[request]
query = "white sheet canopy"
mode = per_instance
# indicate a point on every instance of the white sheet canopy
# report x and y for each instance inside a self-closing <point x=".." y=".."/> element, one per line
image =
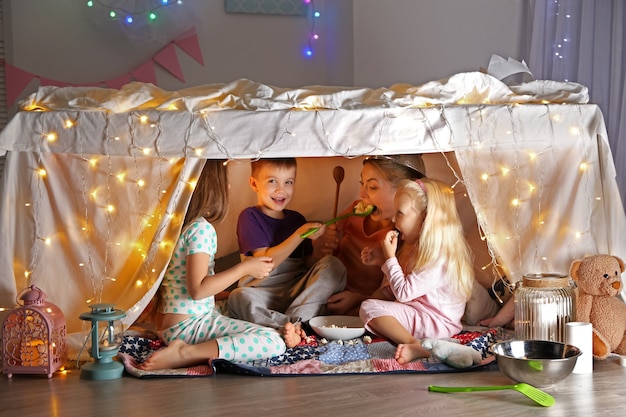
<point x="97" y="180"/>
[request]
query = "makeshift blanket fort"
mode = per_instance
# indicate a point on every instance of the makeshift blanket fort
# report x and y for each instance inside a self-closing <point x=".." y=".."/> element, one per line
<point x="317" y="356"/>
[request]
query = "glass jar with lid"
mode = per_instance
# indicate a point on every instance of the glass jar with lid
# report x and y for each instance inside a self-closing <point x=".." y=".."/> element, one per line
<point x="544" y="303"/>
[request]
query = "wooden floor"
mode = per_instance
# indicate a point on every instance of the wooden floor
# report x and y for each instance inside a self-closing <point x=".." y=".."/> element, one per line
<point x="602" y="393"/>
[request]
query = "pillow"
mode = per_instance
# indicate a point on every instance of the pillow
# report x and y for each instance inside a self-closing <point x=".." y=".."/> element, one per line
<point x="480" y="305"/>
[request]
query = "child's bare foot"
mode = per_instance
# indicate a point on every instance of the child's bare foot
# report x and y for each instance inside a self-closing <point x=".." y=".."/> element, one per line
<point x="406" y="353"/>
<point x="293" y="334"/>
<point x="172" y="356"/>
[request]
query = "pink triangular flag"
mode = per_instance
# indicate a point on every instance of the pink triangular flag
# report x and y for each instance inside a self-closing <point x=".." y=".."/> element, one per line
<point x="168" y="59"/>
<point x="191" y="45"/>
<point x="145" y="73"/>
<point x="118" y="82"/>
<point x="55" y="83"/>
<point x="17" y="80"/>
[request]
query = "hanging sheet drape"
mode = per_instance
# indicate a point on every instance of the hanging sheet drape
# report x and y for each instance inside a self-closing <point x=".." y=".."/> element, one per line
<point x="97" y="181"/>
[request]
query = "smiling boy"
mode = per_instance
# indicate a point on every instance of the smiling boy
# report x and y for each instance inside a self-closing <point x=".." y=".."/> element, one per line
<point x="296" y="290"/>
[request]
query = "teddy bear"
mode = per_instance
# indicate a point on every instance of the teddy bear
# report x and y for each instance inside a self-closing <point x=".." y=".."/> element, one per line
<point x="599" y="282"/>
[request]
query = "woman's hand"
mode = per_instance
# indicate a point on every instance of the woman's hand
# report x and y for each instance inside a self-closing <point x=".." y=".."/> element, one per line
<point x="372" y="256"/>
<point x="344" y="302"/>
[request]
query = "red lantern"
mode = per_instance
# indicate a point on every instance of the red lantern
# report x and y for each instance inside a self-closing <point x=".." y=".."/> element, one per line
<point x="33" y="336"/>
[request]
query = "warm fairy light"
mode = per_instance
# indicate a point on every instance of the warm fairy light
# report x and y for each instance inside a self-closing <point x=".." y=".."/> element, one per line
<point x="93" y="162"/>
<point x="143" y="119"/>
<point x="532" y="156"/>
<point x="583" y="166"/>
<point x="515" y="202"/>
<point x="141" y="183"/>
<point x="69" y="123"/>
<point x="172" y="106"/>
<point x="120" y="177"/>
<point x="51" y="137"/>
<point x="531" y="187"/>
<point x="94" y="194"/>
<point x="26" y="274"/>
<point x="42" y="172"/>
<point x="505" y="170"/>
<point x="484" y="177"/>
<point x="198" y="152"/>
<point x="556" y="117"/>
<point x="146" y="151"/>
<point x="27" y="204"/>
<point x="578" y="235"/>
<point x="110" y="208"/>
<point x="574" y="131"/>
<point x="139" y="283"/>
<point x="192" y="183"/>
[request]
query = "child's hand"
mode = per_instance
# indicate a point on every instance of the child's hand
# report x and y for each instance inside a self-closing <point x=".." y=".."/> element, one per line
<point x="321" y="228"/>
<point x="372" y="256"/>
<point x="390" y="244"/>
<point x="259" y="266"/>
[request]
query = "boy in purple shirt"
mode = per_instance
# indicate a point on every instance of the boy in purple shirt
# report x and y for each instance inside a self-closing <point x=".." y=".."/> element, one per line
<point x="296" y="290"/>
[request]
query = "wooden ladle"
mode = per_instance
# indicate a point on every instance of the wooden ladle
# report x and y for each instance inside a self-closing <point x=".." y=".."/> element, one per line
<point x="338" y="174"/>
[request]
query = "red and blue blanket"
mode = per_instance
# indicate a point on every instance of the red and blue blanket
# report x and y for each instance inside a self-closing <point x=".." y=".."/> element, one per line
<point x="314" y="357"/>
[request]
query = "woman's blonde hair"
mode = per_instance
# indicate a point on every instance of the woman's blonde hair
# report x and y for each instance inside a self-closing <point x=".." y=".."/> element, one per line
<point x="442" y="231"/>
<point x="210" y="197"/>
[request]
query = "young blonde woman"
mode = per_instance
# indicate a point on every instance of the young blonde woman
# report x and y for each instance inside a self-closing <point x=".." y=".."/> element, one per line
<point x="380" y="176"/>
<point x="427" y="267"/>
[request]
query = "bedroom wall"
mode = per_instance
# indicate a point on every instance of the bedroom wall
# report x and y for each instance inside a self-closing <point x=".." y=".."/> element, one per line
<point x="363" y="42"/>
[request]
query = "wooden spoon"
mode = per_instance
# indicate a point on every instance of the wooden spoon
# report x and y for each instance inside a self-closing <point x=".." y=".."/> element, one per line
<point x="338" y="174"/>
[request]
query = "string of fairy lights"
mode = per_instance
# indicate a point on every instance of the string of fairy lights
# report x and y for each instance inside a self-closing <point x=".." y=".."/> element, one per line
<point x="150" y="12"/>
<point x="99" y="197"/>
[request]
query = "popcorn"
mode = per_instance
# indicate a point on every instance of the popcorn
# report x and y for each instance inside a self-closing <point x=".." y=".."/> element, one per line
<point x="361" y="208"/>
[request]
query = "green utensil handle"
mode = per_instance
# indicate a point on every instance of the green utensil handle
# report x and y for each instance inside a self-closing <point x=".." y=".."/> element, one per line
<point x="467" y="389"/>
<point x="331" y="221"/>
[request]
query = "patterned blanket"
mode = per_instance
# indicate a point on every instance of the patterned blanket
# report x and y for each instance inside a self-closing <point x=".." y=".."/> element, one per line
<point x="313" y="357"/>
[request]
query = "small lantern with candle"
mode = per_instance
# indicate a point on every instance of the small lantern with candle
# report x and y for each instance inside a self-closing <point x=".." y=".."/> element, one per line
<point x="105" y="335"/>
<point x="33" y="336"/>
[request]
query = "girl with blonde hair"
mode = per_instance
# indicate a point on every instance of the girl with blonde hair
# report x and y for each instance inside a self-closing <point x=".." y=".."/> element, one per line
<point x="427" y="267"/>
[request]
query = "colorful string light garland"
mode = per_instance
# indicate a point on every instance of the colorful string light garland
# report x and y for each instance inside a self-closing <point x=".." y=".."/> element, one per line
<point x="128" y="16"/>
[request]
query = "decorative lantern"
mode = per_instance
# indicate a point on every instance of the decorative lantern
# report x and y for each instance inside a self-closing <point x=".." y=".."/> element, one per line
<point x="105" y="336"/>
<point x="33" y="336"/>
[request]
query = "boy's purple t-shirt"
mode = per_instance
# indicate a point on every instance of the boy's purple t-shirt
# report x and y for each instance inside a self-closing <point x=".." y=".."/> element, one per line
<point x="257" y="230"/>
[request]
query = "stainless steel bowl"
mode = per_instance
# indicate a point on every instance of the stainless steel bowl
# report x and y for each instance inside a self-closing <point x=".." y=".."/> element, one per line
<point x="536" y="362"/>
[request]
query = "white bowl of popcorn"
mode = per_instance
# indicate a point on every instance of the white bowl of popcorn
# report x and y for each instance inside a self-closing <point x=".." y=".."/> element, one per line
<point x="337" y="327"/>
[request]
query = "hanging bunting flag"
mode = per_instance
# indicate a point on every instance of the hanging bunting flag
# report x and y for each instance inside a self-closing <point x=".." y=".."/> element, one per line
<point x="168" y="59"/>
<point x="118" y="82"/>
<point x="145" y="73"/>
<point x="189" y="43"/>
<point x="17" y="80"/>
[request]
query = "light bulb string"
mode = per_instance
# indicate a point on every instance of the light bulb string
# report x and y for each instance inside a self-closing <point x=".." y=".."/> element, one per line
<point x="163" y="3"/>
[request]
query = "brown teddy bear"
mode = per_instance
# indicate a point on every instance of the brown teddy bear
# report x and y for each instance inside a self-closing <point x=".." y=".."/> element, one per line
<point x="599" y="281"/>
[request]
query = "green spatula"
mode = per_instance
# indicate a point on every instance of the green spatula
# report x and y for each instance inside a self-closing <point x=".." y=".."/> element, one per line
<point x="357" y="211"/>
<point x="535" y="394"/>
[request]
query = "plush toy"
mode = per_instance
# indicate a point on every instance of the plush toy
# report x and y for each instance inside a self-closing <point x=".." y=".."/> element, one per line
<point x="599" y="281"/>
<point x="452" y="353"/>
